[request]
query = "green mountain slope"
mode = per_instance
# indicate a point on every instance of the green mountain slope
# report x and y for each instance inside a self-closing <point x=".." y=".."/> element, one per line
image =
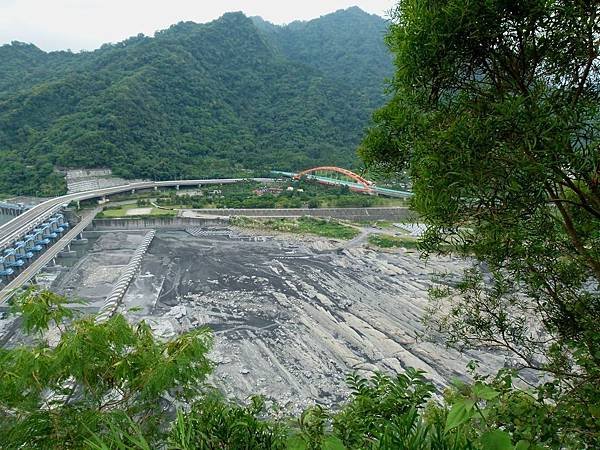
<point x="196" y="100"/>
<point x="348" y="45"/>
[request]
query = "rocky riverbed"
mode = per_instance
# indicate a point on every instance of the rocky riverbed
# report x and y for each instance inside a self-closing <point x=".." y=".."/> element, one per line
<point x="291" y="316"/>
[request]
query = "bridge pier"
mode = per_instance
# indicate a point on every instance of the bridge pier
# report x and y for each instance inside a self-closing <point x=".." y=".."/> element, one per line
<point x="11" y="209"/>
<point x="67" y="252"/>
<point x="79" y="240"/>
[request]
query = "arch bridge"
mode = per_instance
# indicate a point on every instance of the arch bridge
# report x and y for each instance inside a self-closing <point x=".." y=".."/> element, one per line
<point x="330" y="175"/>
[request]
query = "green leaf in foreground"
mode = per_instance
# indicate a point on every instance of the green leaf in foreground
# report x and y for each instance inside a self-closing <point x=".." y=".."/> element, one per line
<point x="485" y="392"/>
<point x="496" y="440"/>
<point x="460" y="413"/>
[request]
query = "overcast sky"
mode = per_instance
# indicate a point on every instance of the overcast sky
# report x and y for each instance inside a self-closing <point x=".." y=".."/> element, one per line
<point x="87" y="24"/>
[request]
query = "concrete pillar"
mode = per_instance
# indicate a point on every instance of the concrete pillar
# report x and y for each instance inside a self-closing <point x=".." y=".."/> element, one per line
<point x="177" y="187"/>
<point x="133" y="191"/>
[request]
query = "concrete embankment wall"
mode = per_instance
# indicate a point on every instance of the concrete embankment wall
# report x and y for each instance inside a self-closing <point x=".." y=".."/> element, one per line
<point x="176" y="223"/>
<point x="222" y="217"/>
<point x="373" y="213"/>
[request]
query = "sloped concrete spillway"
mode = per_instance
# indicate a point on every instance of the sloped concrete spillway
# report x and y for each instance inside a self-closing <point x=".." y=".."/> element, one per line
<point x="291" y="317"/>
<point x="116" y="295"/>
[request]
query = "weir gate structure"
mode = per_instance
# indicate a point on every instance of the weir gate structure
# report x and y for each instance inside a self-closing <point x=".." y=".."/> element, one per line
<point x="38" y="233"/>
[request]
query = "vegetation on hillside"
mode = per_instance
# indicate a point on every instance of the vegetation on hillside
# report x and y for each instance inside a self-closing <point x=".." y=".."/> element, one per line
<point x="348" y="45"/>
<point x="194" y="101"/>
<point x="496" y="116"/>
<point x="328" y="228"/>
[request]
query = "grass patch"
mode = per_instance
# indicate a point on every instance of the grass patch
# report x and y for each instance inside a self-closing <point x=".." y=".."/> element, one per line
<point x="304" y="225"/>
<point x="387" y="241"/>
<point x="112" y="212"/>
<point x="329" y="443"/>
<point x="163" y="212"/>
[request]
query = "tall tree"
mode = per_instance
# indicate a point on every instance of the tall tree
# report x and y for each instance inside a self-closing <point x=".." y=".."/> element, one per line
<point x="495" y="114"/>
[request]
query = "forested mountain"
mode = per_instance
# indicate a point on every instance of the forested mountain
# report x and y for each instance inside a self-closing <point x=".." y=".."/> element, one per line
<point x="194" y="100"/>
<point x="347" y="45"/>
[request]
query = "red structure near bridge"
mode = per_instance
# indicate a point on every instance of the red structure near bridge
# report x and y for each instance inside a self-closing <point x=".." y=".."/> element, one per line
<point x="367" y="185"/>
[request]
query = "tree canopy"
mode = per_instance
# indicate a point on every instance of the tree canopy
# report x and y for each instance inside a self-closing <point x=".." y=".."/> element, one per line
<point x="495" y="114"/>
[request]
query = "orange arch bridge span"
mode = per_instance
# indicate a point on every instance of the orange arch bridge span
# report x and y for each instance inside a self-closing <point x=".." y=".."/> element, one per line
<point x="367" y="185"/>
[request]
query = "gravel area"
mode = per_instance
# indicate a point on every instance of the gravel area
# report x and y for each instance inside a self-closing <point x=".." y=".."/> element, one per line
<point x="292" y="317"/>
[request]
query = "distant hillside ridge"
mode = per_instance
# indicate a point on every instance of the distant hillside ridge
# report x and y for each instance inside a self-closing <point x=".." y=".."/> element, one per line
<point x="347" y="45"/>
<point x="217" y="99"/>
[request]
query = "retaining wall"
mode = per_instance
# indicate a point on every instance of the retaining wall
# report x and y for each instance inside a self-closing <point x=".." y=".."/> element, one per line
<point x="221" y="217"/>
<point x="371" y="213"/>
<point x="176" y="223"/>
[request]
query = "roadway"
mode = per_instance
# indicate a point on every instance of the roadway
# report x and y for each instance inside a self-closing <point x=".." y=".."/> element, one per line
<point x="30" y="271"/>
<point x="14" y="229"/>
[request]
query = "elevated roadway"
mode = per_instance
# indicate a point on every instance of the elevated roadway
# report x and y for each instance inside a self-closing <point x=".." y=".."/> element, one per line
<point x="17" y="227"/>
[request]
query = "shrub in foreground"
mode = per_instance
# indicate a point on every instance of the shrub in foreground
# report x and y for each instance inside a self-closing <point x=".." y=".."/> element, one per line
<point x="113" y="385"/>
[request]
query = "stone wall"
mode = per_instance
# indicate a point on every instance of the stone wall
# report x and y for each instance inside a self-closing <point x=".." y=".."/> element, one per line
<point x="219" y="217"/>
<point x="176" y="223"/>
<point x="374" y="213"/>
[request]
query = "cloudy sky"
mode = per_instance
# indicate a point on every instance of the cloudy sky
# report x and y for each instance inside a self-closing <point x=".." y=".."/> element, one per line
<point x="87" y="24"/>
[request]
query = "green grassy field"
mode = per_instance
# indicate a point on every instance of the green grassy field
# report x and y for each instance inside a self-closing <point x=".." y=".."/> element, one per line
<point x="388" y="241"/>
<point x="303" y="225"/>
<point x="124" y="211"/>
<point x="329" y="443"/>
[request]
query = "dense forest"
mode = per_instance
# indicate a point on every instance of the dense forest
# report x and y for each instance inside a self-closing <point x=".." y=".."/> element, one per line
<point x="348" y="46"/>
<point x="195" y="100"/>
